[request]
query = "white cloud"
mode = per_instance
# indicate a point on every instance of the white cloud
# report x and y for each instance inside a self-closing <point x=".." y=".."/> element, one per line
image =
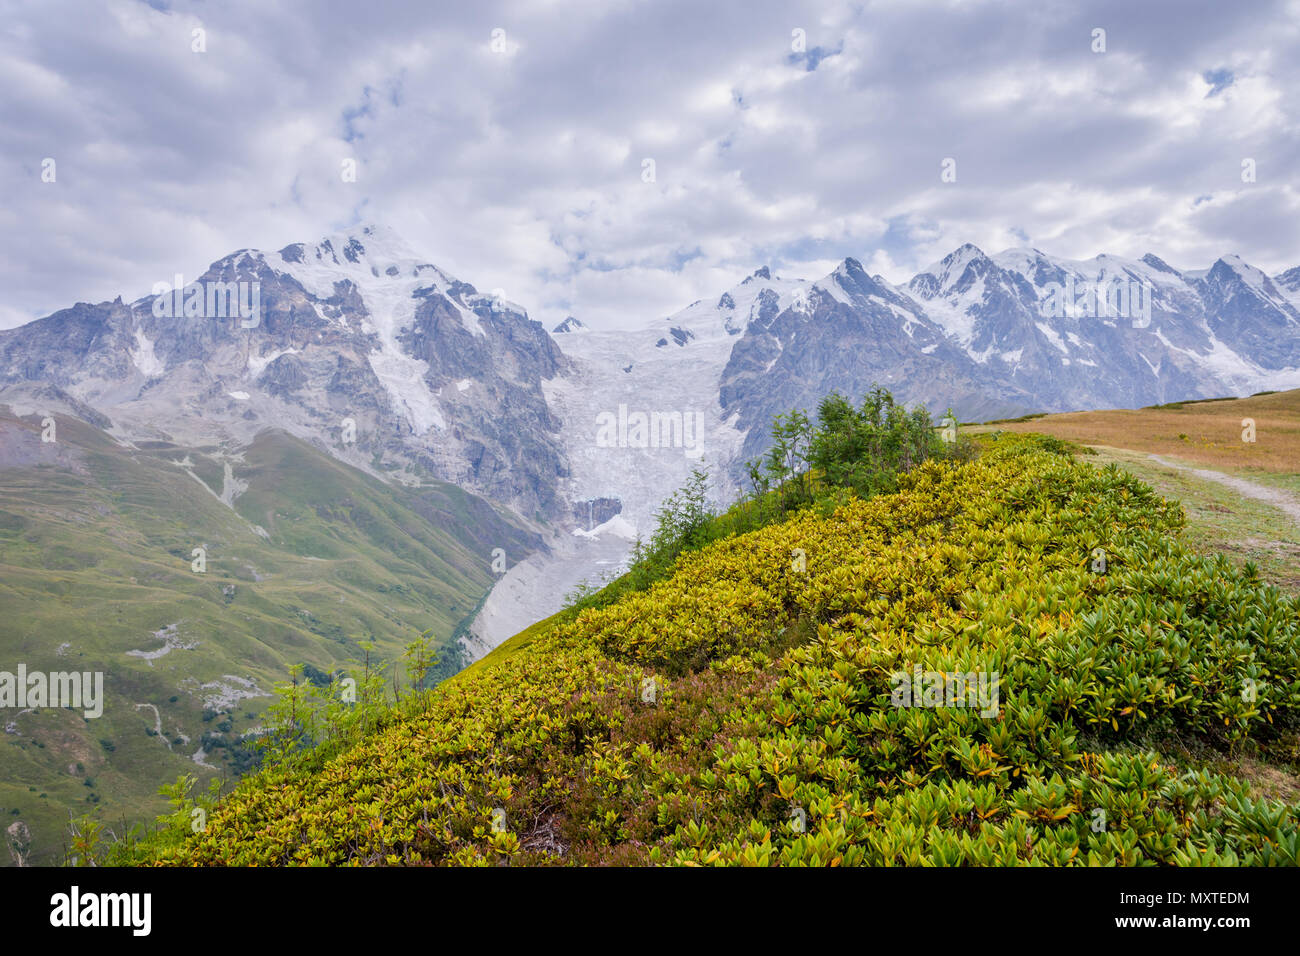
<point x="522" y="169"/>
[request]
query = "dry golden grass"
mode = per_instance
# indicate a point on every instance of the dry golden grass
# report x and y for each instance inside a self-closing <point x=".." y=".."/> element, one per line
<point x="1208" y="433"/>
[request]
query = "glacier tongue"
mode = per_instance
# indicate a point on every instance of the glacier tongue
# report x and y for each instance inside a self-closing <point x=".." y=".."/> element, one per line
<point x="617" y="375"/>
<point x="669" y="368"/>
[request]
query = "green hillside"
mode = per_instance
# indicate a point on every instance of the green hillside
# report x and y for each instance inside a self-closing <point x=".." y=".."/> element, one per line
<point x="312" y="557"/>
<point x="749" y="708"/>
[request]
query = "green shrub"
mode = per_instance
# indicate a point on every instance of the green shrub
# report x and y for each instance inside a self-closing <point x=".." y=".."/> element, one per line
<point x="865" y="449"/>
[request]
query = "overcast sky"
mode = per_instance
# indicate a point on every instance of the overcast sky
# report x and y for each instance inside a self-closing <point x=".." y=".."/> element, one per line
<point x="507" y="141"/>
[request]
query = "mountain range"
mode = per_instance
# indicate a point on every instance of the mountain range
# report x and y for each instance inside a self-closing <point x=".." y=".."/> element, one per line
<point x="389" y="364"/>
<point x="367" y="447"/>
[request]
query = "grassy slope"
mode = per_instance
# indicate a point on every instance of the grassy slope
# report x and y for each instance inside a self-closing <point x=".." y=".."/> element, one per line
<point x="1212" y="431"/>
<point x="512" y="646"/>
<point x="1220" y="520"/>
<point x="95" y="544"/>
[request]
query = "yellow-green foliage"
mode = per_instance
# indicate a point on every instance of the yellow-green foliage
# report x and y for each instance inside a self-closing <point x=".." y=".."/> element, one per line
<point x="769" y="736"/>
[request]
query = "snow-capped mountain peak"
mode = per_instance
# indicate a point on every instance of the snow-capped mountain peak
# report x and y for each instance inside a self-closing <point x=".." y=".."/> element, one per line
<point x="760" y="296"/>
<point x="380" y="263"/>
<point x="957" y="265"/>
<point x="1231" y="269"/>
<point x="570" y="324"/>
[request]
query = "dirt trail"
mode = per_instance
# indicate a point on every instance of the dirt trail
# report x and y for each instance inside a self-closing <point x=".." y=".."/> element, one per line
<point x="1283" y="501"/>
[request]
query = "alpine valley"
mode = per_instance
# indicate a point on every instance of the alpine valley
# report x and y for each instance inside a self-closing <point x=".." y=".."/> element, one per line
<point x="387" y="450"/>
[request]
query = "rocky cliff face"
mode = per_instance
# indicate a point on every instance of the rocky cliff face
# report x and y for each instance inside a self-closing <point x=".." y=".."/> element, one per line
<point x="1251" y="314"/>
